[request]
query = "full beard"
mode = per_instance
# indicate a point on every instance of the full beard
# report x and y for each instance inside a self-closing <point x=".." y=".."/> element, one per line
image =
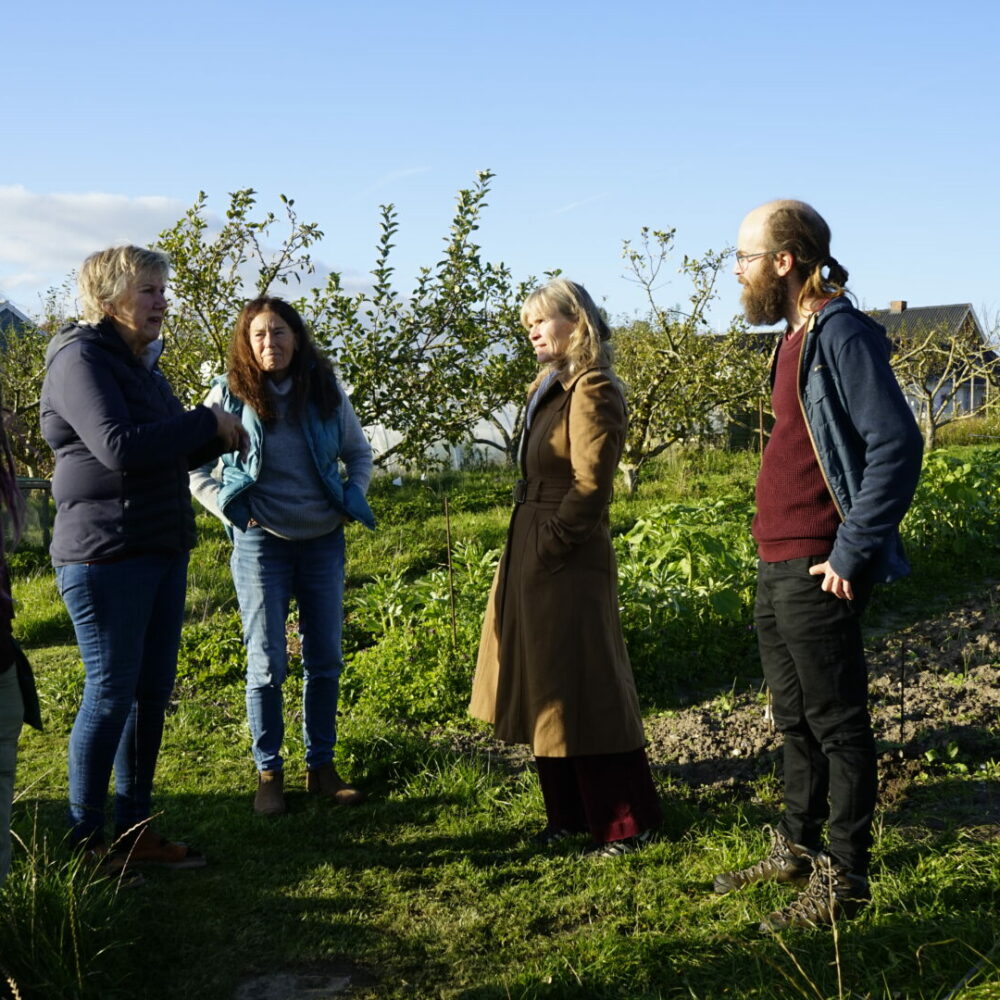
<point x="764" y="300"/>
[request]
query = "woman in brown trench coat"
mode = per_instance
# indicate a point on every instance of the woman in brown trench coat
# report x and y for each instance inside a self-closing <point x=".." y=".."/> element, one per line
<point x="553" y="671"/>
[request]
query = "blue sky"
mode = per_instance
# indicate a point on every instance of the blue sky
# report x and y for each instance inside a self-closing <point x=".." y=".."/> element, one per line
<point x="597" y="119"/>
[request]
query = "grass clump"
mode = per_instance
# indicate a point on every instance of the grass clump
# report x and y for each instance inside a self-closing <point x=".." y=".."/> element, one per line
<point x="63" y="926"/>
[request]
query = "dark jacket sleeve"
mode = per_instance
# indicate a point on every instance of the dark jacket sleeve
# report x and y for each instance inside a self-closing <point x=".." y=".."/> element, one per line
<point x="91" y="400"/>
<point x="893" y="450"/>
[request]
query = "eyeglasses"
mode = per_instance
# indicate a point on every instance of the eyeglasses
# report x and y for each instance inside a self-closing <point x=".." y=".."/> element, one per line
<point x="742" y="259"/>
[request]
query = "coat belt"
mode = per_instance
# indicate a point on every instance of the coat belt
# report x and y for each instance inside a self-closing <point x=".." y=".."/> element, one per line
<point x="541" y="490"/>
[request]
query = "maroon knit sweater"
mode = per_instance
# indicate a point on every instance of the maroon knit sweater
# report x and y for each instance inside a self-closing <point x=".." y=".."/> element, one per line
<point x="796" y="515"/>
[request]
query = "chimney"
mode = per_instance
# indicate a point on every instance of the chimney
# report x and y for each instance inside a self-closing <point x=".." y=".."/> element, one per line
<point x="898" y="306"/>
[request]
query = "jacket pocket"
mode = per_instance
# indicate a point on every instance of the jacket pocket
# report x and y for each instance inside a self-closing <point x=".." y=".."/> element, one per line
<point x="549" y="558"/>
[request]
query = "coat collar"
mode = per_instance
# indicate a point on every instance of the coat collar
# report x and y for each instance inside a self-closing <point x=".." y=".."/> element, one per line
<point x="567" y="381"/>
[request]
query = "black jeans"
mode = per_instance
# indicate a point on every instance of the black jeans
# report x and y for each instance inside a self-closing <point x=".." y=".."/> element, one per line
<point x="814" y="664"/>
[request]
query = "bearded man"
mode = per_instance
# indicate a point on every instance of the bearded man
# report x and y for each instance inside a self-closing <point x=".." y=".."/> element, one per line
<point x="837" y="475"/>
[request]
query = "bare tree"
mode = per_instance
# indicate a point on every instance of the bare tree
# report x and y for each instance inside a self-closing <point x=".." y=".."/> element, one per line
<point x="682" y="379"/>
<point x="940" y="370"/>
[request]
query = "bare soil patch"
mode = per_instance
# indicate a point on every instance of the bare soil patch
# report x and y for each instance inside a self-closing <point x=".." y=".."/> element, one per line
<point x="935" y="690"/>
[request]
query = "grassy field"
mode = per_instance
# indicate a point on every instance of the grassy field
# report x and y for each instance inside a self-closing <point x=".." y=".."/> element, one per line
<point x="430" y="889"/>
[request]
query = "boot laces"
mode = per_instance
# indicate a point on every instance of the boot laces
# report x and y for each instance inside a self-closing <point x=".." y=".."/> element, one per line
<point x="775" y="857"/>
<point x="818" y="900"/>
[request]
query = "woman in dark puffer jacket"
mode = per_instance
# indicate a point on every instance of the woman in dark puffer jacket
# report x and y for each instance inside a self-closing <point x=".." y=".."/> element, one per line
<point x="124" y="527"/>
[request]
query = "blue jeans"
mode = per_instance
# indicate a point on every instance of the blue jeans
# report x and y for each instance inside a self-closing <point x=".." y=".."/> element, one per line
<point x="814" y="663"/>
<point x="11" y="713"/>
<point x="269" y="571"/>
<point x="127" y="616"/>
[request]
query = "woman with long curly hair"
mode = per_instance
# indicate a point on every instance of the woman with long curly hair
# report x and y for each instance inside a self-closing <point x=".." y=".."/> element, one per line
<point x="284" y="502"/>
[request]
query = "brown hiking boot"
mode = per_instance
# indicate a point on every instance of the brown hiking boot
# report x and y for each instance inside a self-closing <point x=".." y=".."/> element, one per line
<point x="786" y="862"/>
<point x="270" y="797"/>
<point x="832" y="894"/>
<point x="325" y="781"/>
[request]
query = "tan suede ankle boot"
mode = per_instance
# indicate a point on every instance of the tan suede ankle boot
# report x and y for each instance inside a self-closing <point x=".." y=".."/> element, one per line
<point x="325" y="781"/>
<point x="270" y="797"/>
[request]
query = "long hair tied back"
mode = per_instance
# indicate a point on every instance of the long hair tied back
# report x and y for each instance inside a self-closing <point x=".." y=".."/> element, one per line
<point x="798" y="228"/>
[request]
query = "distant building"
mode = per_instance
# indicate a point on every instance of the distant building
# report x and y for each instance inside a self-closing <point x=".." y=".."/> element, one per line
<point x="950" y="322"/>
<point x="11" y="318"/>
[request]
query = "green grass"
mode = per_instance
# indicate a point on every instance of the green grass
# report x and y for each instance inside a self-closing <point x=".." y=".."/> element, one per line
<point x="430" y="890"/>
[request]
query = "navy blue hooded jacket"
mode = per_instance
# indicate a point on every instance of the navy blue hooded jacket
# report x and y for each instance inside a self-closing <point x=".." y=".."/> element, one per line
<point x="123" y="445"/>
<point x="865" y="437"/>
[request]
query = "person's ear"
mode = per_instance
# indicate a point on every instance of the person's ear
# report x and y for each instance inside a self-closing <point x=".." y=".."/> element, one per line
<point x="784" y="261"/>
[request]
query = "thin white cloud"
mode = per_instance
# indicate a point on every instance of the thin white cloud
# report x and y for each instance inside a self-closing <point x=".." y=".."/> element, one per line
<point x="390" y="178"/>
<point x="573" y="205"/>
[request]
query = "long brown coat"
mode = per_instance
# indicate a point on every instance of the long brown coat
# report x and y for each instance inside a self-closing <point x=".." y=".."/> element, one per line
<point x="553" y="670"/>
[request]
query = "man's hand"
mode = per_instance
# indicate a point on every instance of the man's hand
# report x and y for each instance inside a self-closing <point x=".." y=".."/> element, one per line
<point x="832" y="583"/>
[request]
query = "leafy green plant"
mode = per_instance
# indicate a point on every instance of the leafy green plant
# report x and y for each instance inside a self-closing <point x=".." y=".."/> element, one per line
<point x="957" y="504"/>
<point x="211" y="652"/>
<point x="418" y="665"/>
<point x="686" y="588"/>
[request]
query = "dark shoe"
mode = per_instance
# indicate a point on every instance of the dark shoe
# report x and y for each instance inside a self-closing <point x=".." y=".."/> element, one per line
<point x="109" y="865"/>
<point x="617" y="848"/>
<point x="146" y="847"/>
<point x="270" y="797"/>
<point x="786" y="862"/>
<point x="325" y="781"/>
<point x="832" y="894"/>
<point x="550" y="836"/>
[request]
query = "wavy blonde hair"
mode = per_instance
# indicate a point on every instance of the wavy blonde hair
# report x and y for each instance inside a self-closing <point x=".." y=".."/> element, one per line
<point x="106" y="275"/>
<point x="588" y="343"/>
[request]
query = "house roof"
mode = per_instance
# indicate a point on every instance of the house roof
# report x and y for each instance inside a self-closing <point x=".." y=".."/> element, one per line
<point x="944" y="318"/>
<point x="11" y="316"/>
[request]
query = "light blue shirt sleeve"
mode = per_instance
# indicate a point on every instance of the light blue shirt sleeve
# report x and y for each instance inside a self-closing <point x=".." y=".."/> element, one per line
<point x="355" y="451"/>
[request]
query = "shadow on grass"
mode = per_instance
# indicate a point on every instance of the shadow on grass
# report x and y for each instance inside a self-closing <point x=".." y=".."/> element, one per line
<point x="314" y="884"/>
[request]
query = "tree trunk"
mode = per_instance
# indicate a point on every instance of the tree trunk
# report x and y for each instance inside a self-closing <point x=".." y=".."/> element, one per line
<point x="630" y="473"/>
<point x="930" y="434"/>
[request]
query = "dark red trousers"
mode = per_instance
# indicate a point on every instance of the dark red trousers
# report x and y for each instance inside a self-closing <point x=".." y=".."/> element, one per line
<point x="611" y="795"/>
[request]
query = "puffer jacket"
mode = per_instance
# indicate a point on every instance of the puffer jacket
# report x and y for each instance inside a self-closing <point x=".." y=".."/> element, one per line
<point x="123" y="446"/>
<point x="864" y="435"/>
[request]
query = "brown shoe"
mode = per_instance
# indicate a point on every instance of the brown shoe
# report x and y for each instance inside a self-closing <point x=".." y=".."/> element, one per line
<point x="146" y="847"/>
<point x="112" y="866"/>
<point x="325" y="781"/>
<point x="270" y="797"/>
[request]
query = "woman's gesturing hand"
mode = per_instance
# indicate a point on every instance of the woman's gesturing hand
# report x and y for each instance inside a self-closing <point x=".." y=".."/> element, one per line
<point x="231" y="430"/>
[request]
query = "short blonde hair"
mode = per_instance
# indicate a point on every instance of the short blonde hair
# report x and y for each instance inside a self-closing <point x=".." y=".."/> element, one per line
<point x="107" y="274"/>
<point x="588" y="343"/>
